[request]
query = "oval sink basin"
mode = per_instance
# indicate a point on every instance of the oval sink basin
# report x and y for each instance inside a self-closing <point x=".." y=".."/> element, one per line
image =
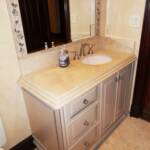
<point x="96" y="59"/>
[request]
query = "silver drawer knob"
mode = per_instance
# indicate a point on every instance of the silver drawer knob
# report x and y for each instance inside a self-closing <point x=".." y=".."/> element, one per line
<point x="85" y="101"/>
<point x="86" y="123"/>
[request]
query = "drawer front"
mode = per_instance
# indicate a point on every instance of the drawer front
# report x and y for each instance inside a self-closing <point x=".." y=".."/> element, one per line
<point x="80" y="103"/>
<point x="82" y="123"/>
<point x="87" y="142"/>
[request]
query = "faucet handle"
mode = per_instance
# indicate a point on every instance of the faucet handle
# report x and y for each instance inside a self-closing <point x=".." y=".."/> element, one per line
<point x="76" y="55"/>
<point x="91" y="48"/>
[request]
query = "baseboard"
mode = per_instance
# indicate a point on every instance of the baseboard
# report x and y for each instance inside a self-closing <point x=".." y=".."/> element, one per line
<point x="26" y="144"/>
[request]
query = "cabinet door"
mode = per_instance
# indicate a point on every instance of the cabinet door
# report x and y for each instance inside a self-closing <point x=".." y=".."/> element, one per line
<point x="123" y="94"/>
<point x="109" y="90"/>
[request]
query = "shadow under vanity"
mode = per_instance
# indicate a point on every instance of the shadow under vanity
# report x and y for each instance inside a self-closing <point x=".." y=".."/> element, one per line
<point x="76" y="108"/>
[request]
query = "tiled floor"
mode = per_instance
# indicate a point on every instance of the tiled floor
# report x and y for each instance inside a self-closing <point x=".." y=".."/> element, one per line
<point x="132" y="134"/>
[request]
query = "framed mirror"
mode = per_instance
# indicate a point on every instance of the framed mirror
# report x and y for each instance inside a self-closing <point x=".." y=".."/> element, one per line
<point x="40" y="24"/>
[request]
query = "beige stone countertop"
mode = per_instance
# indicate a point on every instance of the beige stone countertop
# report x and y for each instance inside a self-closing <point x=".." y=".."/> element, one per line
<point x="57" y="86"/>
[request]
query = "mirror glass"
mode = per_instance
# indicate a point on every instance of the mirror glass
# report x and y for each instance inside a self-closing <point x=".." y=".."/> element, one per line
<point x="48" y="23"/>
<point x="82" y="19"/>
<point x="125" y="23"/>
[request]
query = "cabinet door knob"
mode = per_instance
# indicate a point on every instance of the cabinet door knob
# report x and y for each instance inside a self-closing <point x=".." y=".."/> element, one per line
<point x="85" y="101"/>
<point x="116" y="79"/>
<point x="86" y="144"/>
<point x="86" y="123"/>
<point x="119" y="78"/>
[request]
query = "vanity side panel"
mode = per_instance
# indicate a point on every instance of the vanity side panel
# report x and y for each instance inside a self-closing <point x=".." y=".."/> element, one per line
<point x="42" y="122"/>
<point x="60" y="130"/>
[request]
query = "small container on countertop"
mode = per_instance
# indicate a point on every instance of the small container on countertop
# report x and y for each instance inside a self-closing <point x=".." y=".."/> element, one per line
<point x="64" y="60"/>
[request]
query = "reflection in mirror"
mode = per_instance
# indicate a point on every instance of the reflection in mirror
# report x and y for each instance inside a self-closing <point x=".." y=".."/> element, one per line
<point x="82" y="18"/>
<point x="45" y="22"/>
<point x="54" y="22"/>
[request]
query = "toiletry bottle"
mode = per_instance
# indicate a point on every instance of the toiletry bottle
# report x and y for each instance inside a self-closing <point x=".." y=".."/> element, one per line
<point x="53" y="44"/>
<point x="64" y="60"/>
<point x="46" y="45"/>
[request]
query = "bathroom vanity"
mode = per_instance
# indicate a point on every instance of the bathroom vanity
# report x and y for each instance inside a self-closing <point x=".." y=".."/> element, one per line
<point x="77" y="107"/>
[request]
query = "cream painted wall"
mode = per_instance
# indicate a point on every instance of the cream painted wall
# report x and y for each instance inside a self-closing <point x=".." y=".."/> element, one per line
<point x="115" y="20"/>
<point x="12" y="108"/>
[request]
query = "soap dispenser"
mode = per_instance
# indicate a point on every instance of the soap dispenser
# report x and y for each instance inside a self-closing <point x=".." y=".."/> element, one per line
<point x="64" y="60"/>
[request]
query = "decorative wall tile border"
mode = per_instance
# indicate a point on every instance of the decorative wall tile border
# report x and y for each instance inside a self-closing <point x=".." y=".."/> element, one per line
<point x="97" y="17"/>
<point x="17" y="28"/>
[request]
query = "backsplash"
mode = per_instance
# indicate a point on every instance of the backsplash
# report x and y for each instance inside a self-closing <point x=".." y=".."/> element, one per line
<point x="127" y="45"/>
<point x="48" y="58"/>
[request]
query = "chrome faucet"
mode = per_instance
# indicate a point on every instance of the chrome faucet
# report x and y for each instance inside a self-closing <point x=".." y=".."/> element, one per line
<point x="82" y="49"/>
<point x="90" y="49"/>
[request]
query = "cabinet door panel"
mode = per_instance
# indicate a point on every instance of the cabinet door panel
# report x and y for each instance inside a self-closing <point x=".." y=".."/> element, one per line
<point x="109" y="89"/>
<point x="123" y="91"/>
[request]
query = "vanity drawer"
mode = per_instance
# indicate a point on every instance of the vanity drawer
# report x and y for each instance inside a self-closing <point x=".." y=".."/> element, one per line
<point x="80" y="103"/>
<point x="82" y="123"/>
<point x="87" y="141"/>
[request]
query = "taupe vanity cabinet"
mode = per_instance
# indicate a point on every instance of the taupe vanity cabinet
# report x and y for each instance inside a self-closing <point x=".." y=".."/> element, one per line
<point x="82" y="123"/>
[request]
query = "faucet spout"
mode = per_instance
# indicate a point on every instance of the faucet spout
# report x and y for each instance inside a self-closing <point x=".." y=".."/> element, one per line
<point x="82" y="49"/>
